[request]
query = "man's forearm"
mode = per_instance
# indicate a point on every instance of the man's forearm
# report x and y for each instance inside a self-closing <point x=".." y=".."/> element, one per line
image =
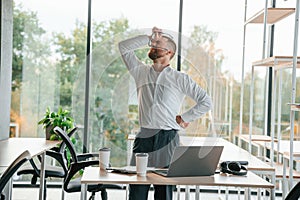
<point x="132" y="44"/>
<point x="127" y="48"/>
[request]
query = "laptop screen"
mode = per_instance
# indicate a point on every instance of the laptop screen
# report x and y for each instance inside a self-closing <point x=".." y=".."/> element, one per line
<point x="194" y="161"/>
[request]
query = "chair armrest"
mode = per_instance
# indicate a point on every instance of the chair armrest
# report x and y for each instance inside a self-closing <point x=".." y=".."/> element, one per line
<point x="59" y="158"/>
<point x="35" y="168"/>
<point x="85" y="156"/>
<point x="53" y="154"/>
<point x="75" y="167"/>
<point x="55" y="149"/>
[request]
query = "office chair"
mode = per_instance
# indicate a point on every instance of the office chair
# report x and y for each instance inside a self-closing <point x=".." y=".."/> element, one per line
<point x="78" y="163"/>
<point x="59" y="154"/>
<point x="10" y="171"/>
<point x="294" y="194"/>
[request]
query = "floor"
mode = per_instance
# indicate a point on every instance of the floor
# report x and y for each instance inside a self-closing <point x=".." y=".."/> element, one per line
<point x="55" y="194"/>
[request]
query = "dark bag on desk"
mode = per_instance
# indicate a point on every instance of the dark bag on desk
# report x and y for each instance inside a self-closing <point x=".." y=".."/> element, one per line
<point x="234" y="167"/>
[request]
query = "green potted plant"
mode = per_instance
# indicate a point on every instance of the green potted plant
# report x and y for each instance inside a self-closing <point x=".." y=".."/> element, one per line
<point x="51" y="119"/>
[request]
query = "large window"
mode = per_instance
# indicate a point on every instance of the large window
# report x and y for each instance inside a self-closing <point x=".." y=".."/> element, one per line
<point x="49" y="63"/>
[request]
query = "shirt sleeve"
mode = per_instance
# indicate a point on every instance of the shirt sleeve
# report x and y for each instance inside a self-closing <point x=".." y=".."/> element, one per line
<point x="127" y="48"/>
<point x="199" y="95"/>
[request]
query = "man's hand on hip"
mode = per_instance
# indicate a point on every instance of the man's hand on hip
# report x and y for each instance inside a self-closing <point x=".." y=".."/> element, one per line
<point x="180" y="121"/>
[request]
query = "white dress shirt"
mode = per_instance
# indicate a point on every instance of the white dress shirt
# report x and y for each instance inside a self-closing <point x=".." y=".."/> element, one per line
<point x="160" y="94"/>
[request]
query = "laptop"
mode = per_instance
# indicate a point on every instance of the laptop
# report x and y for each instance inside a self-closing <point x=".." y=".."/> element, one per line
<point x="193" y="161"/>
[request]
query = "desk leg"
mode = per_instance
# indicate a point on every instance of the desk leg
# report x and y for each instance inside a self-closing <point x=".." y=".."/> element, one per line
<point x="178" y="192"/>
<point x="239" y="193"/>
<point x="187" y="192"/>
<point x="284" y="179"/>
<point x="226" y="193"/>
<point x="7" y="190"/>
<point x="127" y="192"/>
<point x="273" y="181"/>
<point x="83" y="195"/>
<point x="42" y="176"/>
<point x="62" y="191"/>
<point x="258" y="194"/>
<point x="197" y="192"/>
<point x="247" y="194"/>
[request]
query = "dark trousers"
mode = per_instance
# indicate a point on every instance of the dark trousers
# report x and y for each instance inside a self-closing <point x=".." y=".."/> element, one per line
<point x="140" y="192"/>
<point x="159" y="144"/>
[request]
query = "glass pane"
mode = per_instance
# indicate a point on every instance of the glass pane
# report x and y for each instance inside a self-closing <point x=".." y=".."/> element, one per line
<point x="114" y="113"/>
<point x="216" y="57"/>
<point x="49" y="49"/>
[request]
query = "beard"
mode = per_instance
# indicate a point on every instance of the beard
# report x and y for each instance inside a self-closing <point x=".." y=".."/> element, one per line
<point x="154" y="54"/>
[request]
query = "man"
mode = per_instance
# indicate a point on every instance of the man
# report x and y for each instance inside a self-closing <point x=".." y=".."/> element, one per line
<point x="160" y="90"/>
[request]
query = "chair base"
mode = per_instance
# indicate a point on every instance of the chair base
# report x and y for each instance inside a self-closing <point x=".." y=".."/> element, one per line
<point x="103" y="195"/>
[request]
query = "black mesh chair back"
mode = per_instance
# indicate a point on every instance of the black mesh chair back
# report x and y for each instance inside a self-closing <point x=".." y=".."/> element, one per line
<point x="75" y="164"/>
<point x="67" y="142"/>
<point x="79" y="162"/>
<point x="294" y="194"/>
<point x="11" y="170"/>
<point x="60" y="171"/>
<point x="59" y="154"/>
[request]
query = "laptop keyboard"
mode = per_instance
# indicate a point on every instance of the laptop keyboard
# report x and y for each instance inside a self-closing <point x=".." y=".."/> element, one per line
<point x="163" y="172"/>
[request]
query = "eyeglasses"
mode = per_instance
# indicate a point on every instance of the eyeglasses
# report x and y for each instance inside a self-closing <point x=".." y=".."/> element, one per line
<point x="155" y="37"/>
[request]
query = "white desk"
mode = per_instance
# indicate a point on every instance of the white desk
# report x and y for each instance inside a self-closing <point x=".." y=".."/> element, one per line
<point x="93" y="175"/>
<point x="231" y="152"/>
<point x="11" y="148"/>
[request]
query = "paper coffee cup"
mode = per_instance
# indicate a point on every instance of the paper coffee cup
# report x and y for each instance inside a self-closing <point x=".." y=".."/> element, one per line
<point x="141" y="163"/>
<point x="104" y="155"/>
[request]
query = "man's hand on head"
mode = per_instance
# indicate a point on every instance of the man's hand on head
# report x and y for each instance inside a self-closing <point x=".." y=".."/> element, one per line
<point x="156" y="33"/>
<point x="156" y="30"/>
<point x="181" y="123"/>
